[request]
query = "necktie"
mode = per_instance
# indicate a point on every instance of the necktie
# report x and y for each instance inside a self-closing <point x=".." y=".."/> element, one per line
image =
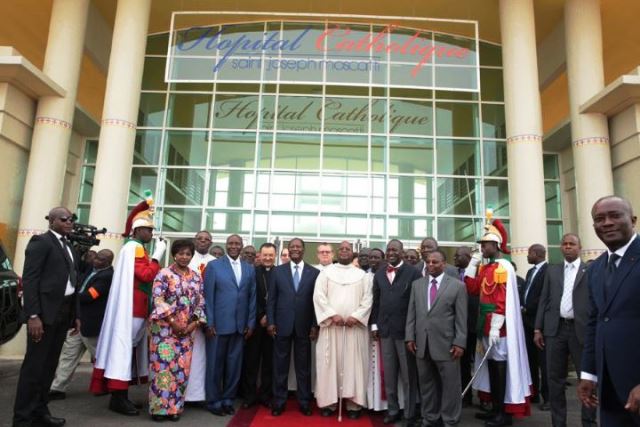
<point x="70" y="264"/>
<point x="391" y="269"/>
<point x="236" y="271"/>
<point x="530" y="274"/>
<point x="433" y="292"/>
<point x="567" y="293"/>
<point x="296" y="278"/>
<point x="611" y="270"/>
<point x="461" y="273"/>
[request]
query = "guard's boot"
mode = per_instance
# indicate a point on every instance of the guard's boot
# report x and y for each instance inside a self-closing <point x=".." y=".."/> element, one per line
<point x="121" y="404"/>
<point x="492" y="380"/>
<point x="498" y="389"/>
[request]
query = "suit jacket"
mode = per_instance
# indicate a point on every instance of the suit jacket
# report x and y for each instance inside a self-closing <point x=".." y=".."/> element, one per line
<point x="449" y="269"/>
<point x="92" y="301"/>
<point x="262" y="291"/>
<point x="45" y="276"/>
<point x="444" y="325"/>
<point x="614" y="322"/>
<point x="548" y="315"/>
<point x="391" y="300"/>
<point x="230" y="307"/>
<point x="530" y="304"/>
<point x="292" y="312"/>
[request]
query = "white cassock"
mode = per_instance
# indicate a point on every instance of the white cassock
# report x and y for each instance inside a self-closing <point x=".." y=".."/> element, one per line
<point x="344" y="290"/>
<point x="195" y="385"/>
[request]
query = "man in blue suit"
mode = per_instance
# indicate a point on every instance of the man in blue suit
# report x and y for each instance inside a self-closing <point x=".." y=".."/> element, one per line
<point x="230" y="296"/>
<point x="291" y="318"/>
<point x="611" y="347"/>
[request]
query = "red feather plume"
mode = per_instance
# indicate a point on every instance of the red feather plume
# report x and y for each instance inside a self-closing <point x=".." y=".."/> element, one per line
<point x="503" y="233"/>
<point x="140" y="207"/>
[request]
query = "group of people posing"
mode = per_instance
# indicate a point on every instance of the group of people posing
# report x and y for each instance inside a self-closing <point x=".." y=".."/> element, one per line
<point x="391" y="333"/>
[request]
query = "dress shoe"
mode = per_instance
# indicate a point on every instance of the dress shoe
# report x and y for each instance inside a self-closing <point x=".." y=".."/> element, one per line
<point x="158" y="418"/>
<point x="327" y="412"/>
<point x="217" y="411"/>
<point x="485" y="415"/>
<point x="545" y="406"/>
<point x="248" y="403"/>
<point x="354" y="415"/>
<point x="499" y="420"/>
<point x="391" y="419"/>
<point x="174" y="417"/>
<point x="57" y="395"/>
<point x="122" y="406"/>
<point x="228" y="409"/>
<point x="305" y="410"/>
<point x="276" y="411"/>
<point x="49" y="421"/>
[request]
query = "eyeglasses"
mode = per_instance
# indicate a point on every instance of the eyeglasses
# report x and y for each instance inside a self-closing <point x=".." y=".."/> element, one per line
<point x="324" y="252"/>
<point x="71" y="218"/>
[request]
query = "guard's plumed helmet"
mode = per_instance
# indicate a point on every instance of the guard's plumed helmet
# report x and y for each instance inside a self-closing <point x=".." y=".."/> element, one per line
<point x="494" y="231"/>
<point x="141" y="215"/>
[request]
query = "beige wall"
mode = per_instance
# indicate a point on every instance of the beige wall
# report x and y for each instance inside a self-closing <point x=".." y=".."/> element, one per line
<point x="624" y="129"/>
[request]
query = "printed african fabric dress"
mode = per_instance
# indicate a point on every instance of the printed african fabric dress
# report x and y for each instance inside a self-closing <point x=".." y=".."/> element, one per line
<point x="179" y="296"/>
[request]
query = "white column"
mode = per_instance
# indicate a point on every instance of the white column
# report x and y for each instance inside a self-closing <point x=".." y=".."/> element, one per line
<point x="589" y="132"/>
<point x="119" y="117"/>
<point x="53" y="123"/>
<point x="524" y="128"/>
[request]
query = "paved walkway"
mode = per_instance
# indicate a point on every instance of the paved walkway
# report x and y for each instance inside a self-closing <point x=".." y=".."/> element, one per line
<point x="82" y="409"/>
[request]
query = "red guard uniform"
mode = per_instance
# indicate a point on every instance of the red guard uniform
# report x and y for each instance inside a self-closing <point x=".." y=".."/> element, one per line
<point x="490" y="284"/>
<point x="144" y="271"/>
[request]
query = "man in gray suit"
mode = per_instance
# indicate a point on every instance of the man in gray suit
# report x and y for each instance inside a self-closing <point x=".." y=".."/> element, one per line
<point x="436" y="333"/>
<point x="562" y="314"/>
<point x="428" y="245"/>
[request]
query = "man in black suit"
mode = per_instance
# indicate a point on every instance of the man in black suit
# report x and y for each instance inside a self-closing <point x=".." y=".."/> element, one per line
<point x="428" y="245"/>
<point x="560" y="322"/>
<point x="391" y="294"/>
<point x="49" y="285"/>
<point x="92" y="302"/>
<point x="292" y="320"/>
<point x="529" y="299"/>
<point x="258" y="352"/>
<point x="611" y="347"/>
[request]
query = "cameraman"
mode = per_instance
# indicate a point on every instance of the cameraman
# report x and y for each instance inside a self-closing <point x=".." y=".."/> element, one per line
<point x="92" y="297"/>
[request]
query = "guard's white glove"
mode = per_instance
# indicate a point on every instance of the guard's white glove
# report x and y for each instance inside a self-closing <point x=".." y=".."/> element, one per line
<point x="160" y="248"/>
<point x="472" y="268"/>
<point x="497" y="320"/>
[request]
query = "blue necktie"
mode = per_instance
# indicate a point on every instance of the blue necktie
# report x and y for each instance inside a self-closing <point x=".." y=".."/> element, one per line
<point x="296" y="278"/>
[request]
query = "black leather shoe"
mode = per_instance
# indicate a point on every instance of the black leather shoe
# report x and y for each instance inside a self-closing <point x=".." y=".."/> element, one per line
<point x="305" y="410"/>
<point x="228" y="409"/>
<point x="217" y="411"/>
<point x="276" y="411"/>
<point x="57" y="395"/>
<point x="158" y="418"/>
<point x="248" y="403"/>
<point x="122" y="406"/>
<point x="391" y="419"/>
<point x="174" y="417"/>
<point x="49" y="421"/>
<point x="354" y="415"/>
<point x="327" y="412"/>
<point x="545" y="406"/>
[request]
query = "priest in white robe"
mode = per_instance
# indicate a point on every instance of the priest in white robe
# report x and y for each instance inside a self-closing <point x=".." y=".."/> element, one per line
<point x="195" y="388"/>
<point x="342" y="300"/>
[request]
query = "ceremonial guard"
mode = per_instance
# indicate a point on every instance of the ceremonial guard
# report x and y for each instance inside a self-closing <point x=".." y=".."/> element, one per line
<point x="501" y="355"/>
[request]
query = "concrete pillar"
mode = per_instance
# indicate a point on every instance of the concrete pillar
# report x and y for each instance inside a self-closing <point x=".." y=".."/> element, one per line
<point x="52" y="131"/>
<point x="524" y="128"/>
<point x="589" y="132"/>
<point x="119" y="117"/>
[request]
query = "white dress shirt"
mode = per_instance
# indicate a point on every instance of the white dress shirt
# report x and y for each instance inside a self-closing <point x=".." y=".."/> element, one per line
<point x="293" y="270"/>
<point x="392" y="275"/>
<point x="69" y="290"/>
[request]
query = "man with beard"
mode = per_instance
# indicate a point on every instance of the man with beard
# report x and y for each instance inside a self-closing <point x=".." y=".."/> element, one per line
<point x="342" y="301"/>
<point x="292" y="322"/>
<point x="258" y="352"/>
<point x="391" y="294"/>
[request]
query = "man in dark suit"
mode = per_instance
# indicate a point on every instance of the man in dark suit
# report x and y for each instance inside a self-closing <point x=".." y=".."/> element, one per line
<point x="529" y="300"/>
<point x="611" y="347"/>
<point x="258" y="351"/>
<point x="230" y="296"/>
<point x="560" y="321"/>
<point x="391" y="293"/>
<point x="92" y="302"/>
<point x="428" y="245"/>
<point x="49" y="285"/>
<point x="436" y="332"/>
<point x="292" y="320"/>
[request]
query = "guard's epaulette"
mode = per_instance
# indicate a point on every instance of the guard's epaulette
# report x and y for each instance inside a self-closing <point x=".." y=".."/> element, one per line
<point x="500" y="274"/>
<point x="139" y="251"/>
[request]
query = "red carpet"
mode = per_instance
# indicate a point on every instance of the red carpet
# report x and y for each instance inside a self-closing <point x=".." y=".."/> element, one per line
<point x="261" y="417"/>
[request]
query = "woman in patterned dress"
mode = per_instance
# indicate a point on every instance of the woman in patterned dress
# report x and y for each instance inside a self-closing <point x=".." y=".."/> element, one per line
<point x="178" y="309"/>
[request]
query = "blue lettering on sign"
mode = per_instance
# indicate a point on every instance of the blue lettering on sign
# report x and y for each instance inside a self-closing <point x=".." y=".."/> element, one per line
<point x="243" y="44"/>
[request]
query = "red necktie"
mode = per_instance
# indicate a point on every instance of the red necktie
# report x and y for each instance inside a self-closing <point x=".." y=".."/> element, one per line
<point x="433" y="292"/>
